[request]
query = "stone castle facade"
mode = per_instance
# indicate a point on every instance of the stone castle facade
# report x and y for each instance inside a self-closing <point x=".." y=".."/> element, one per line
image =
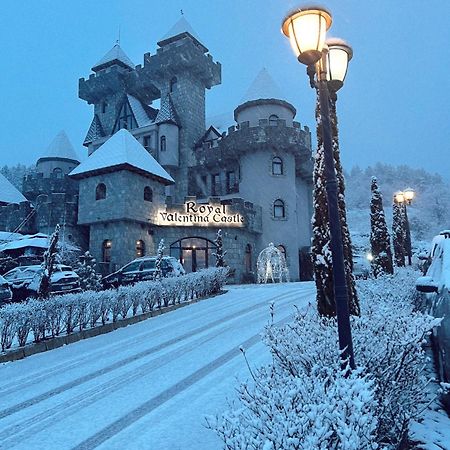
<point x="166" y="173"/>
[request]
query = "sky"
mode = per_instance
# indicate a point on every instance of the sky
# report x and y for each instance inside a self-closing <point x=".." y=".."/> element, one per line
<point x="393" y="108"/>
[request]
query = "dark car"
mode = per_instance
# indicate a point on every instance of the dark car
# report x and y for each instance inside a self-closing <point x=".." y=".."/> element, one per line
<point x="5" y="292"/>
<point x="143" y="269"/>
<point x="24" y="281"/>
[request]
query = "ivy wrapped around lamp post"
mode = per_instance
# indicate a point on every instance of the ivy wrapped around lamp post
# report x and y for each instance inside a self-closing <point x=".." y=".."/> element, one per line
<point x="306" y="29"/>
<point x="401" y="200"/>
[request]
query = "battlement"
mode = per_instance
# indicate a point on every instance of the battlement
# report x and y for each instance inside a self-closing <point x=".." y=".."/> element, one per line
<point x="36" y="184"/>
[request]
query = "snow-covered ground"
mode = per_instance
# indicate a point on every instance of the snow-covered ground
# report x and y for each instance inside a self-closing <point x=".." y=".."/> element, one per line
<point x="147" y="386"/>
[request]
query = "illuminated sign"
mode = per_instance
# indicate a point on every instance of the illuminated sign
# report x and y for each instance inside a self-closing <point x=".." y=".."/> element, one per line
<point x="203" y="215"/>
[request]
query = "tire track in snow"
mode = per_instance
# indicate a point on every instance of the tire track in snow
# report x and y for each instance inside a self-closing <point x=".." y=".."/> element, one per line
<point x="18" y="384"/>
<point x="133" y="416"/>
<point x="16" y="433"/>
<point x="119" y="364"/>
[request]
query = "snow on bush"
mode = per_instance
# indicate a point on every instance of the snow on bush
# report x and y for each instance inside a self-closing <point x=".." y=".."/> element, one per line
<point x="65" y="313"/>
<point x="304" y="400"/>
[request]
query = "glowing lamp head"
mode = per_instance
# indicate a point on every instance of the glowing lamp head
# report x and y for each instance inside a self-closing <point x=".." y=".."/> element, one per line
<point x="338" y="56"/>
<point x="369" y="256"/>
<point x="399" y="197"/>
<point x="409" y="194"/>
<point x="306" y="28"/>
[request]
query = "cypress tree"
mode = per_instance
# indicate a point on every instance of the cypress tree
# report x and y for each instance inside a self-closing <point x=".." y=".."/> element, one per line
<point x="398" y="234"/>
<point x="379" y="235"/>
<point x="219" y="254"/>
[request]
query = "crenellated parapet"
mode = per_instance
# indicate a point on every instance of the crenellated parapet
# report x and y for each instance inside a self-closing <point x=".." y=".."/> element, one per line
<point x="36" y="184"/>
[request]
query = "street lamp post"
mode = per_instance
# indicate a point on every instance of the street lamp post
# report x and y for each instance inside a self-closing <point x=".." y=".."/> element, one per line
<point x="306" y="29"/>
<point x="404" y="198"/>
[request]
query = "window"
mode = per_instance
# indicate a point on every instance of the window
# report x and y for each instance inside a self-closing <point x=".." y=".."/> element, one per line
<point x="173" y="84"/>
<point x="282" y="249"/>
<point x="162" y="144"/>
<point x="57" y="171"/>
<point x="248" y="258"/>
<point x="273" y="120"/>
<point x="232" y="185"/>
<point x="126" y="117"/>
<point x="148" y="194"/>
<point x="277" y="166"/>
<point x="140" y="248"/>
<point x="106" y="253"/>
<point x="279" y="211"/>
<point x="147" y="142"/>
<point x="100" y="191"/>
<point x="104" y="105"/>
<point x="215" y="184"/>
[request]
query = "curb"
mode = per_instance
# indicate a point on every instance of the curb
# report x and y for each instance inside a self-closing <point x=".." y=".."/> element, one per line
<point x="59" y="341"/>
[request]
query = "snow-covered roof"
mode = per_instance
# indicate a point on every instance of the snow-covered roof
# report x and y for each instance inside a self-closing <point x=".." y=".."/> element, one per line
<point x="180" y="28"/>
<point x="115" y="56"/>
<point x="220" y="122"/>
<point x="38" y="240"/>
<point x="122" y="149"/>
<point x="61" y="147"/>
<point x="167" y="113"/>
<point x="9" y="193"/>
<point x="139" y="112"/>
<point x="95" y="131"/>
<point x="263" y="87"/>
<point x="7" y="236"/>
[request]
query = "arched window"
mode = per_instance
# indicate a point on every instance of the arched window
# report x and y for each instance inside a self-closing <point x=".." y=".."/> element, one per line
<point x="57" y="171"/>
<point x="162" y="144"/>
<point x="277" y="166"/>
<point x="173" y="84"/>
<point x="279" y="210"/>
<point x="106" y="251"/>
<point x="148" y="194"/>
<point x="248" y="258"/>
<point x="100" y="191"/>
<point x="140" y="248"/>
<point x="273" y="120"/>
<point x="282" y="249"/>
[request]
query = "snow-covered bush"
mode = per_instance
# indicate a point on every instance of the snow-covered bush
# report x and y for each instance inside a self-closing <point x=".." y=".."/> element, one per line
<point x="64" y="313"/>
<point x="303" y="400"/>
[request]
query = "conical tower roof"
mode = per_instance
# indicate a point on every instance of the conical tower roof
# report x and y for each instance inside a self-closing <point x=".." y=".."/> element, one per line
<point x="263" y="87"/>
<point x="167" y="113"/>
<point x="122" y="151"/>
<point x="179" y="30"/>
<point x="61" y="148"/>
<point x="115" y="56"/>
<point x="9" y="193"/>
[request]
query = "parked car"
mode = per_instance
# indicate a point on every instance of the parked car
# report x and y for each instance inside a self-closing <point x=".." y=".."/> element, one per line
<point x="5" y="292"/>
<point x="24" y="281"/>
<point x="143" y="269"/>
<point x="361" y="267"/>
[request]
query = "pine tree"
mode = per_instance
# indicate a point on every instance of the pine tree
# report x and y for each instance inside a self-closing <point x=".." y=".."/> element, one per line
<point x="48" y="265"/>
<point x="219" y="254"/>
<point x="379" y="235"/>
<point x="398" y="234"/>
<point x="89" y="278"/>
<point x="159" y="256"/>
<point x="321" y="251"/>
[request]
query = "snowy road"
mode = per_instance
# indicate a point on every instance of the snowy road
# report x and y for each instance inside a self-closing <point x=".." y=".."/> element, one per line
<point x="147" y="386"/>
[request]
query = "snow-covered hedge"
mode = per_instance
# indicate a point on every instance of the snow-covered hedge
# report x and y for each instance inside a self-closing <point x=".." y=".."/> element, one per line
<point x="67" y="313"/>
<point x="303" y="399"/>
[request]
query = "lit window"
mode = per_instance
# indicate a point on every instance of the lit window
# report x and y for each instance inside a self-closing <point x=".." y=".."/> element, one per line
<point x="148" y="194"/>
<point x="106" y="253"/>
<point x="140" y="248"/>
<point x="100" y="191"/>
<point x="162" y="145"/>
<point x="277" y="166"/>
<point x="273" y="120"/>
<point x="279" y="210"/>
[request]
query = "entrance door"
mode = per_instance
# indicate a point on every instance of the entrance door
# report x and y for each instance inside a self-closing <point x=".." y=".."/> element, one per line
<point x="193" y="253"/>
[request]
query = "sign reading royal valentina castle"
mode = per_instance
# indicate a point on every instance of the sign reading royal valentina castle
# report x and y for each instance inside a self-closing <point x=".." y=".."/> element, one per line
<point x="201" y="215"/>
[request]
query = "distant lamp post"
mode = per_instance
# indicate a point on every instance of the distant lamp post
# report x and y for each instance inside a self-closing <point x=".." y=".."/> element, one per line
<point x="306" y="27"/>
<point x="404" y="198"/>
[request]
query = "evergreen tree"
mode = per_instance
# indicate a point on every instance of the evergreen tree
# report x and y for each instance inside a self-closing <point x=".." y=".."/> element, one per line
<point x="398" y="234"/>
<point x="379" y="235"/>
<point x="159" y="256"/>
<point x="321" y="251"/>
<point x="48" y="265"/>
<point x="219" y="254"/>
<point x="89" y="278"/>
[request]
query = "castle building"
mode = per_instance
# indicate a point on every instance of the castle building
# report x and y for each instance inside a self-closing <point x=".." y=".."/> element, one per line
<point x="157" y="169"/>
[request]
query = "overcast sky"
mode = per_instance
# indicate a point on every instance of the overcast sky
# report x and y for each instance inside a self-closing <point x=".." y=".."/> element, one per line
<point x="394" y="107"/>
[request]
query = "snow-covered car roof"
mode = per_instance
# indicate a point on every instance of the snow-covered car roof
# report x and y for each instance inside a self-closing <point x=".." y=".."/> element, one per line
<point x="439" y="268"/>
